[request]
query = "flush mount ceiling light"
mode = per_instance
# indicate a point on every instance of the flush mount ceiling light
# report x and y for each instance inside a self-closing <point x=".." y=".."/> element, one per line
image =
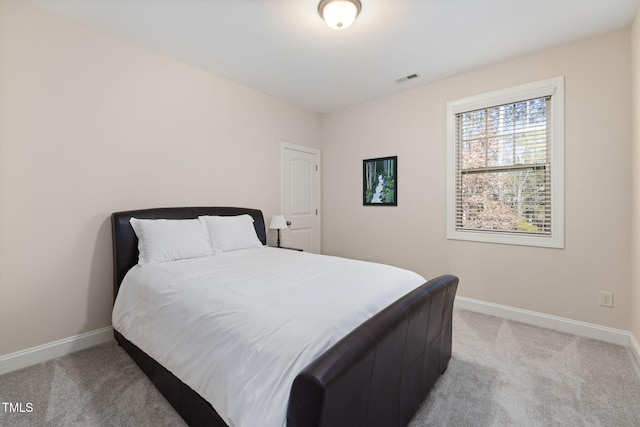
<point x="339" y="14"/>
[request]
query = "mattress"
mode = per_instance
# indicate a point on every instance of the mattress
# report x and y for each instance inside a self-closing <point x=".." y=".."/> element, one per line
<point x="238" y="327"/>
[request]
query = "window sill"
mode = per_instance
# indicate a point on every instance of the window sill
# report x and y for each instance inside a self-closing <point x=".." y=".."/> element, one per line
<point x="556" y="242"/>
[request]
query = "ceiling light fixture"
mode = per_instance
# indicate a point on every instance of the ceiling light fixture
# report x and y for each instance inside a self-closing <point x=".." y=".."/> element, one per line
<point x="339" y="14"/>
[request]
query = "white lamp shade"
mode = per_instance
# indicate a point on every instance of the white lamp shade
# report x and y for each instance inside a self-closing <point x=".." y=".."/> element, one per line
<point x="339" y="14"/>
<point x="278" y="222"/>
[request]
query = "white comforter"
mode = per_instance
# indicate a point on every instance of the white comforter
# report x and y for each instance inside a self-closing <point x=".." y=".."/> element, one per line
<point x="238" y="327"/>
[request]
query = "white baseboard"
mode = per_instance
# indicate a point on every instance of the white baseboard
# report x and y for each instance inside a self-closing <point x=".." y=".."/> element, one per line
<point x="635" y="348"/>
<point x="42" y="353"/>
<point x="583" y="329"/>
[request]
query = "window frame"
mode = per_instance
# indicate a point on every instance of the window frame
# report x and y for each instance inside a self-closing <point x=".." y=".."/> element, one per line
<point x="553" y="87"/>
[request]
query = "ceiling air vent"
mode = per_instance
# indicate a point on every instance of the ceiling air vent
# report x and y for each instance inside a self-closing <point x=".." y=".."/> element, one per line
<point x="405" y="78"/>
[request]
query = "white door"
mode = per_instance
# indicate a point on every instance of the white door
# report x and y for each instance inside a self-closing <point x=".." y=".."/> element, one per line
<point x="301" y="196"/>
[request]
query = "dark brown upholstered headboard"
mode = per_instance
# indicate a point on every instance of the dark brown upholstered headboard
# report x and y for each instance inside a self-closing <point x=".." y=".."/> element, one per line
<point x="125" y="242"/>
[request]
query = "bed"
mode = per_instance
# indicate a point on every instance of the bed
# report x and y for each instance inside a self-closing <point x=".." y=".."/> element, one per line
<point x="377" y="374"/>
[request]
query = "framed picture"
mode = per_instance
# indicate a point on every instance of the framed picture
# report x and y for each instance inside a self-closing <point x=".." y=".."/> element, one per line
<point x="380" y="181"/>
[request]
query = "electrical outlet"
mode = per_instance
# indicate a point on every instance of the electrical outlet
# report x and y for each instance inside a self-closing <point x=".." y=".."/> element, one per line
<point x="606" y="299"/>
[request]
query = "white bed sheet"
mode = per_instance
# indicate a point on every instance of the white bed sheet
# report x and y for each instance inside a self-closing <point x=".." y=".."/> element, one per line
<point x="239" y="326"/>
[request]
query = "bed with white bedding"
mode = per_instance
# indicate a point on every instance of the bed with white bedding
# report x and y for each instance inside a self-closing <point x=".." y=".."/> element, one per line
<point x="271" y="337"/>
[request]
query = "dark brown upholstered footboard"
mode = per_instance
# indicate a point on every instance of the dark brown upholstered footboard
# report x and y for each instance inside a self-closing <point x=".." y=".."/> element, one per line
<point x="378" y="375"/>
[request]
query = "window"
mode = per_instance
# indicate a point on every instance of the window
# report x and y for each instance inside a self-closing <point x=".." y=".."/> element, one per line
<point x="506" y="166"/>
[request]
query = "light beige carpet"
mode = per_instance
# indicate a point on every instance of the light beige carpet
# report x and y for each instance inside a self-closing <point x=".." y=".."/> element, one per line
<point x="505" y="373"/>
<point x="502" y="373"/>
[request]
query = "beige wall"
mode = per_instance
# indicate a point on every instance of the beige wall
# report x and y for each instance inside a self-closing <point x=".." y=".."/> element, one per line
<point x="90" y="125"/>
<point x="635" y="254"/>
<point x="412" y="125"/>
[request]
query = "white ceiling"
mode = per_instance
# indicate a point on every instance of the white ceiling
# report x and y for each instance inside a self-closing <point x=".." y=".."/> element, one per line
<point x="283" y="48"/>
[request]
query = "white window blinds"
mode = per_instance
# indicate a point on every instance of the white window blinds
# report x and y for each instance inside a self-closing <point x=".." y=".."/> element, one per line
<point x="503" y="156"/>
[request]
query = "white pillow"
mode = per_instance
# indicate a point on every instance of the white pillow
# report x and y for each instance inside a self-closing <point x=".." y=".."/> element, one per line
<point x="161" y="240"/>
<point x="229" y="233"/>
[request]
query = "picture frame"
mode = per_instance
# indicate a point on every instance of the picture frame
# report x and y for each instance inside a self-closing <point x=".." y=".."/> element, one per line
<point x="380" y="181"/>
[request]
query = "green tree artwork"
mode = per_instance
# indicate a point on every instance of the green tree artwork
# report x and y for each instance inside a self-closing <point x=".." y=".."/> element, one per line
<point x="380" y="181"/>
